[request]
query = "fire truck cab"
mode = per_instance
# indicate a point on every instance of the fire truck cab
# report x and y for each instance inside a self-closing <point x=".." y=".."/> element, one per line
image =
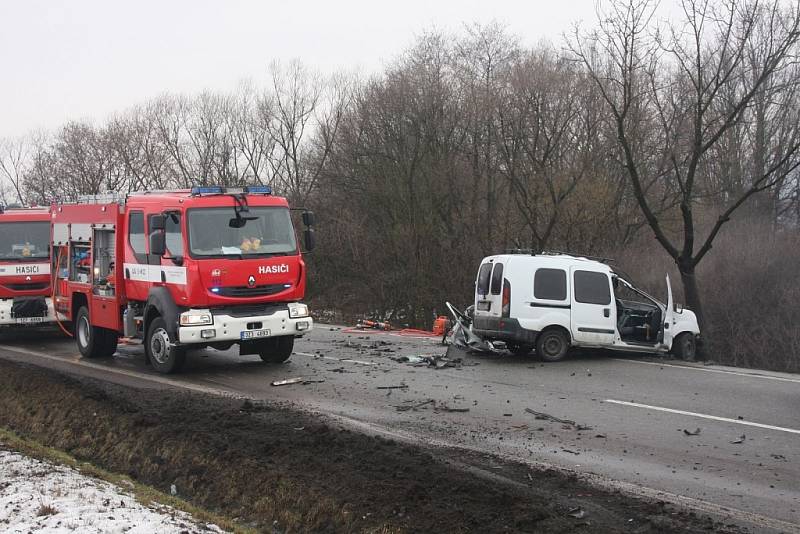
<point x="206" y="267"/>
<point x="25" y="297"/>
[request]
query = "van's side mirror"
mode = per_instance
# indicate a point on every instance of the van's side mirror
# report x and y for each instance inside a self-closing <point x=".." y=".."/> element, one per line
<point x="310" y="239"/>
<point x="308" y="218"/>
<point x="157" y="222"/>
<point x="158" y="243"/>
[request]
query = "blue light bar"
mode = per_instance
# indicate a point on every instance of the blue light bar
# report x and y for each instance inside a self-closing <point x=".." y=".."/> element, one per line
<point x="207" y="190"/>
<point x="258" y="189"/>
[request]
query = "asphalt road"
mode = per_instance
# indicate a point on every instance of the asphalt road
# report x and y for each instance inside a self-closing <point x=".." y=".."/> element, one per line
<point x="723" y="440"/>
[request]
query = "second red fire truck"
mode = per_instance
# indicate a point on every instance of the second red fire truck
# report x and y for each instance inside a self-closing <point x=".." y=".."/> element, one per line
<point x="25" y="267"/>
<point x="206" y="267"/>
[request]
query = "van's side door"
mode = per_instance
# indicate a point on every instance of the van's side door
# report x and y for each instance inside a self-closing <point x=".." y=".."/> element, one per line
<point x="594" y="312"/>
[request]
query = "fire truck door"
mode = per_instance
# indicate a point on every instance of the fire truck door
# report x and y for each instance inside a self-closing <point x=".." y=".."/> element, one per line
<point x="135" y="271"/>
<point x="104" y="309"/>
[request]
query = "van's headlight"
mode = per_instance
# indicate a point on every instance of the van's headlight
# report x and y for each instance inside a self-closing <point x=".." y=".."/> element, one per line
<point x="297" y="309"/>
<point x="196" y="318"/>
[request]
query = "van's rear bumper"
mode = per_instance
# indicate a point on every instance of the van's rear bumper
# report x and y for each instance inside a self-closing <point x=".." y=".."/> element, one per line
<point x="503" y="329"/>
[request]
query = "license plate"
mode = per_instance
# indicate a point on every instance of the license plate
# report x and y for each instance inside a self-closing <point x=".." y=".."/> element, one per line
<point x="484" y="305"/>
<point x="29" y="320"/>
<point x="254" y="334"/>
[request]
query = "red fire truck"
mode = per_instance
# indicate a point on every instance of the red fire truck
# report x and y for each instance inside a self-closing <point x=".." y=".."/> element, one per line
<point x="206" y="267"/>
<point x="25" y="267"/>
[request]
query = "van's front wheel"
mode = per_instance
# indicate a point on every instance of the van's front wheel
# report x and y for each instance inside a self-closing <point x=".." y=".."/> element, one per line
<point x="552" y="345"/>
<point x="685" y="346"/>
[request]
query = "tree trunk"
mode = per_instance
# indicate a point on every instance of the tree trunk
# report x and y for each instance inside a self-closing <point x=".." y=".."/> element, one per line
<point x="693" y="300"/>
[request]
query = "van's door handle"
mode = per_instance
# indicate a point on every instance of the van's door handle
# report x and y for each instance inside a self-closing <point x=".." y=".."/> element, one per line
<point x="606" y="312"/>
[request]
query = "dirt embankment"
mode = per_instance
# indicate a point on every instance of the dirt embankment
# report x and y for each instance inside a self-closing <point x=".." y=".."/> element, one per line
<point x="277" y="469"/>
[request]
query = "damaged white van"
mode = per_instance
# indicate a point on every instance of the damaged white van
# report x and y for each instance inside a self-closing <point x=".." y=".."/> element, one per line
<point x="551" y="302"/>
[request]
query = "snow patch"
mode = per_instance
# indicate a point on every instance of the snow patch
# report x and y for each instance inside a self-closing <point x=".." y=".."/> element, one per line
<point x="40" y="497"/>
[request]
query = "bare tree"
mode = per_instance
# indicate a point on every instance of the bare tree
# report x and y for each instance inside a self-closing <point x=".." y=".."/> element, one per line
<point x="14" y="161"/>
<point x="665" y="91"/>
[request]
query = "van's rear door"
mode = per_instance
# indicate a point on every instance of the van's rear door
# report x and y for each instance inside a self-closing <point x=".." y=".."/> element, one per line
<point x="594" y="312"/>
<point x="489" y="289"/>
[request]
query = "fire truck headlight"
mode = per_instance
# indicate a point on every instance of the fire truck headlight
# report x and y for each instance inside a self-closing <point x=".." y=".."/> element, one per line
<point x="196" y="318"/>
<point x="297" y="309"/>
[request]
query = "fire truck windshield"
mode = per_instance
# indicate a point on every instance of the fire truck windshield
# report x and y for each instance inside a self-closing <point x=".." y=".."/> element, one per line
<point x="264" y="231"/>
<point x="20" y="241"/>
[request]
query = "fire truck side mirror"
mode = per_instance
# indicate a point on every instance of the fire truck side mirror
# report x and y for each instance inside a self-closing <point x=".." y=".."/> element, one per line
<point x="157" y="222"/>
<point x="310" y="240"/>
<point x="158" y="243"/>
<point x="308" y="218"/>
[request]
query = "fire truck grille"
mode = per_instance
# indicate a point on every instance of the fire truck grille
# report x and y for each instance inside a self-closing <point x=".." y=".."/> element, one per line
<point x="247" y="291"/>
<point x="27" y="287"/>
<point x="23" y="307"/>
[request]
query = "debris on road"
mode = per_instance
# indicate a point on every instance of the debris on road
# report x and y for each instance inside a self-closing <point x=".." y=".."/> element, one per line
<point x="405" y="408"/>
<point x="577" y="513"/>
<point x="738" y="440"/>
<point x="437" y="407"/>
<point x="462" y="336"/>
<point x="436" y="361"/>
<point x="548" y="417"/>
<point x="298" y="380"/>
<point x="401" y="386"/>
<point x="689" y="433"/>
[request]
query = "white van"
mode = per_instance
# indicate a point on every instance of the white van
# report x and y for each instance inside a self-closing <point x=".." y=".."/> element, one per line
<point x="552" y="302"/>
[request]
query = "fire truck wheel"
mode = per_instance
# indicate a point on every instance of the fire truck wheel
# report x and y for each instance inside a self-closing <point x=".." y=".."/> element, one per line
<point x="277" y="349"/>
<point x="163" y="355"/>
<point x="93" y="341"/>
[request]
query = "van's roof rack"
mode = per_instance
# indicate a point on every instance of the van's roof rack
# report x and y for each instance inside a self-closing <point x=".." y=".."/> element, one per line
<point x="574" y="255"/>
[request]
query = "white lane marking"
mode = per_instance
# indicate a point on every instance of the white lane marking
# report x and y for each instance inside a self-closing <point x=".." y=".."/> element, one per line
<point x="703" y="416"/>
<point x="722" y="371"/>
<point x="346" y="360"/>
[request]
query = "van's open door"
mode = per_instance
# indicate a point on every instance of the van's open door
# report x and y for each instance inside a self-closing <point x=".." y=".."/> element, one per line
<point x="669" y="315"/>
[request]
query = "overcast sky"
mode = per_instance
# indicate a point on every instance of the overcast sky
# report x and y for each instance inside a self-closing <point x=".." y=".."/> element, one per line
<point x="83" y="59"/>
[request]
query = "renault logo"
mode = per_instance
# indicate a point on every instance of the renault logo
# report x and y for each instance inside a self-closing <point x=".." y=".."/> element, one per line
<point x="251" y="281"/>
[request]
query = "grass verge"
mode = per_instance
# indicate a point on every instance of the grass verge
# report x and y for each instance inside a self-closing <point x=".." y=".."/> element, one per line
<point x="144" y="494"/>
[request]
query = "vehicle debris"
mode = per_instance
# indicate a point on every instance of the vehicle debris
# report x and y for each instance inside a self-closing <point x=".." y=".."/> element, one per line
<point x="548" y="417"/>
<point x="577" y="513"/>
<point x="405" y="408"/>
<point x="298" y="380"/>
<point x="738" y="440"/>
<point x="689" y="433"/>
<point x="462" y="336"/>
<point x="436" y="361"/>
<point x="437" y="407"/>
<point x="401" y="386"/>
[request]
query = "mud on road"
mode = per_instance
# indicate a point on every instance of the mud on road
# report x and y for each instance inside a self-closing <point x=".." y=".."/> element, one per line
<point x="276" y="468"/>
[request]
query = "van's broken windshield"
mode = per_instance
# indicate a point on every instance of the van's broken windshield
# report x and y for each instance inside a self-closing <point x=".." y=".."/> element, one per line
<point x="264" y="231"/>
<point x="20" y="241"/>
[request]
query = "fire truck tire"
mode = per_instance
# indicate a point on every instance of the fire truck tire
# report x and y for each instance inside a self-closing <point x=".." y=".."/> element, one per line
<point x="277" y="349"/>
<point x="163" y="356"/>
<point x="93" y="341"/>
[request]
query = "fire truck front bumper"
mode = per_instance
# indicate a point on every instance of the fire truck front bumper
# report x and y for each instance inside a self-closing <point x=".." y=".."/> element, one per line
<point x="232" y="325"/>
<point x="26" y="311"/>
